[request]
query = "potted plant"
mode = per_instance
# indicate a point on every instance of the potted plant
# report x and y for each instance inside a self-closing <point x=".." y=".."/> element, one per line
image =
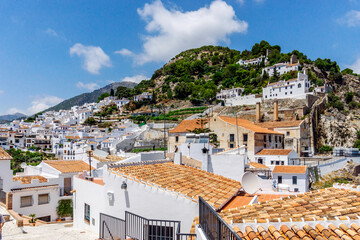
<point x="33" y="219"/>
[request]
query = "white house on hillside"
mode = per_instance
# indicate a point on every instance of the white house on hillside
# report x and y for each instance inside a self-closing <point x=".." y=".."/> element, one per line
<point x="253" y="61"/>
<point x="229" y="93"/>
<point x="296" y="88"/>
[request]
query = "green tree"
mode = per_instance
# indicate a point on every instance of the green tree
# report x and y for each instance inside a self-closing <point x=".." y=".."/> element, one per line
<point x="349" y="96"/>
<point x="103" y="95"/>
<point x="182" y="90"/>
<point x="112" y="93"/>
<point x="90" y="121"/>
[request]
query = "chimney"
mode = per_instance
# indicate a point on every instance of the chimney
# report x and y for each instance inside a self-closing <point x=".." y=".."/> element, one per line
<point x="258" y="112"/>
<point x="276" y="110"/>
<point x="178" y="158"/>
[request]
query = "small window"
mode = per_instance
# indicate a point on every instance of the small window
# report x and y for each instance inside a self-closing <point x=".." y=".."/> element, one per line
<point x="277" y="162"/>
<point x="269" y="138"/>
<point x="294" y="180"/>
<point x="176" y="138"/>
<point x="285" y="93"/>
<point x="43" y="199"/>
<point x="272" y="162"/>
<point x="279" y="179"/>
<point x="245" y="137"/>
<point x="282" y="162"/>
<point x="87" y="213"/>
<point x="260" y="160"/>
<point x="287" y="133"/>
<point x="232" y="137"/>
<point x="26" y="201"/>
<point x="290" y="92"/>
<point x="264" y="138"/>
<point x="264" y="145"/>
<point x="231" y="145"/>
<point x="299" y="85"/>
<point x="285" y="87"/>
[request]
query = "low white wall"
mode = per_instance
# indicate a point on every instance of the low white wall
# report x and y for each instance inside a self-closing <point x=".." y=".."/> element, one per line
<point x="243" y="100"/>
<point x="227" y="165"/>
<point x="331" y="166"/>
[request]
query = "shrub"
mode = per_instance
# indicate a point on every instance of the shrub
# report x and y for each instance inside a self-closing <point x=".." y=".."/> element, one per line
<point x="325" y="149"/>
<point x="65" y="208"/>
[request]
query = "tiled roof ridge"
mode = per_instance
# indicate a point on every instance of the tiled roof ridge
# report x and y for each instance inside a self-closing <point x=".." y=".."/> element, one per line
<point x="119" y="165"/>
<point x="344" y="218"/>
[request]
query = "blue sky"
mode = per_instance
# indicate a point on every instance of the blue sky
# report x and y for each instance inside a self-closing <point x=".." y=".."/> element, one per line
<point x="54" y="50"/>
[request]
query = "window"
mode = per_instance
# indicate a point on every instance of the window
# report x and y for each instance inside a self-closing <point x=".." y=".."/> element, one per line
<point x="176" y="138"/>
<point x="277" y="162"/>
<point x="279" y="179"/>
<point x="285" y="93"/>
<point x="43" y="199"/>
<point x="264" y="138"/>
<point x="272" y="162"/>
<point x="290" y="92"/>
<point x="276" y="139"/>
<point x="299" y="85"/>
<point x="291" y="87"/>
<point x="232" y="137"/>
<point x="260" y="161"/>
<point x="294" y="180"/>
<point x="264" y="145"/>
<point x="231" y="145"/>
<point x="282" y="162"/>
<point x="285" y="87"/>
<point x="245" y="137"/>
<point x="287" y="133"/>
<point x="269" y="138"/>
<point x="87" y="213"/>
<point x="26" y="201"/>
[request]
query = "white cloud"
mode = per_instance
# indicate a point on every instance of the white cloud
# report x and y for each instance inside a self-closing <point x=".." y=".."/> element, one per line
<point x="172" y="31"/>
<point x="351" y="18"/>
<point x="94" y="58"/>
<point x="37" y="105"/>
<point x="124" y="52"/>
<point x="41" y="103"/>
<point x="14" y="110"/>
<point x="355" y="66"/>
<point x="51" y="32"/>
<point x="88" y="86"/>
<point x="135" y="79"/>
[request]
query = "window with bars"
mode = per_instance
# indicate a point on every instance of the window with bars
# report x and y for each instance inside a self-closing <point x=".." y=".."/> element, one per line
<point x="87" y="213"/>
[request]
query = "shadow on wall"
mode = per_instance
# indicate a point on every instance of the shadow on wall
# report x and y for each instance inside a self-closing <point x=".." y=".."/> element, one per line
<point x="127" y="200"/>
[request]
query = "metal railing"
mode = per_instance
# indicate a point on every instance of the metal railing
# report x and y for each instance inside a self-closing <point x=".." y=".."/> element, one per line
<point x="213" y="226"/>
<point x="111" y="228"/>
<point x="140" y="228"/>
<point x="65" y="192"/>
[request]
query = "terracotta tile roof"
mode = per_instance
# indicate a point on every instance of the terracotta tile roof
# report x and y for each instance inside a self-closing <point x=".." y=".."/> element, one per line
<point x="186" y="126"/>
<point x="186" y="180"/>
<point x="289" y="169"/>
<point x="69" y="166"/>
<point x="72" y="137"/>
<point x="109" y="158"/>
<point x="280" y="124"/>
<point x="4" y="155"/>
<point x="312" y="206"/>
<point x="275" y="152"/>
<point x="244" y="199"/>
<point x="247" y="124"/>
<point x="306" y="232"/>
<point x="257" y="165"/>
<point x="27" y="179"/>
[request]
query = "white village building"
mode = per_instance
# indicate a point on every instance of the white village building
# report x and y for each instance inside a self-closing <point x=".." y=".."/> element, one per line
<point x="229" y="93"/>
<point x="296" y="88"/>
<point x="253" y="61"/>
<point x="282" y="68"/>
<point x="293" y="178"/>
<point x="273" y="157"/>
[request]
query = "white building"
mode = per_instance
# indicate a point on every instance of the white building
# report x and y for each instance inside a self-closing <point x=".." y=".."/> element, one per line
<point x="243" y="100"/>
<point x="229" y="93"/>
<point x="143" y="96"/>
<point x="272" y="157"/>
<point x="281" y="68"/>
<point x="121" y="102"/>
<point x="296" y="88"/>
<point x="151" y="190"/>
<point x="291" y="178"/>
<point x="253" y="61"/>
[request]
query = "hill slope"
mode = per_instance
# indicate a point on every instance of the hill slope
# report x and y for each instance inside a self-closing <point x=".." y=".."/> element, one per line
<point x="10" y="117"/>
<point x="89" y="97"/>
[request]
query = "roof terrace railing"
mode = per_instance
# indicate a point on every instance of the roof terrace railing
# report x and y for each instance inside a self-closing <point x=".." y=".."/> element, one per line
<point x="213" y="226"/>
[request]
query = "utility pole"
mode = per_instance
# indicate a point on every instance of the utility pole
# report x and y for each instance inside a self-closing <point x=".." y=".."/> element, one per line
<point x="89" y="152"/>
<point x="237" y="133"/>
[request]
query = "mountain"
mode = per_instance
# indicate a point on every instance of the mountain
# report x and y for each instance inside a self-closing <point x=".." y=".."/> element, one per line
<point x="89" y="97"/>
<point x="10" y="117"/>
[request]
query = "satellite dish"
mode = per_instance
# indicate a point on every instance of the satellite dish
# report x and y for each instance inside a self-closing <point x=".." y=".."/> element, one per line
<point x="23" y="165"/>
<point x="250" y="183"/>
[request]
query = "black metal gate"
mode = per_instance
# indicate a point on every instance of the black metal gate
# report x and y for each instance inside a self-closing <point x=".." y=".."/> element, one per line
<point x="140" y="228"/>
<point x="111" y="228"/>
